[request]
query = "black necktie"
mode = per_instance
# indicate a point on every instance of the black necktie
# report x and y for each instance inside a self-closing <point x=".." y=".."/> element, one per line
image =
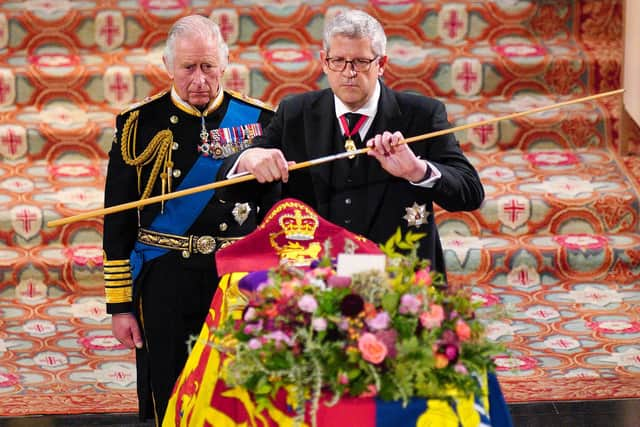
<point x="354" y="134"/>
<point x="352" y="119"/>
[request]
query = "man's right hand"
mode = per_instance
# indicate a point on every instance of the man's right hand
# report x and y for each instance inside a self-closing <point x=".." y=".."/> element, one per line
<point x="266" y="164"/>
<point x="124" y="327"/>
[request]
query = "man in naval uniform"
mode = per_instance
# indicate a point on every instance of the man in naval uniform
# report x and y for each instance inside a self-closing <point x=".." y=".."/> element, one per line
<point x="159" y="266"/>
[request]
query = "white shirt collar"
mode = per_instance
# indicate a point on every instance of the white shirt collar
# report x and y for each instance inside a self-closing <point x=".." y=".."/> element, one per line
<point x="369" y="109"/>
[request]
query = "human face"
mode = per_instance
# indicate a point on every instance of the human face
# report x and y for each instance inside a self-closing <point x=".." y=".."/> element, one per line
<point x="354" y="88"/>
<point x="196" y="70"/>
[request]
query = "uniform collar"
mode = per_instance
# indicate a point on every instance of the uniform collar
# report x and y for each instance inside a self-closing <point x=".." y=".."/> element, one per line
<point x="190" y="109"/>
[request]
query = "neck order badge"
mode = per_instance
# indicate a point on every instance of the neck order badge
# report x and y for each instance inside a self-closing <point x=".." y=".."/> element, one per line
<point x="351" y="124"/>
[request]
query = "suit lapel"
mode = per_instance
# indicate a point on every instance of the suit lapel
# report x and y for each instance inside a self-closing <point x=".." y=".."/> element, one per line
<point x="388" y="118"/>
<point x="320" y="141"/>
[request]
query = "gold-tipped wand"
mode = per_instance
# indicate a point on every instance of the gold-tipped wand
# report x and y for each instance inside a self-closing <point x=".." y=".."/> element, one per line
<point x="348" y="154"/>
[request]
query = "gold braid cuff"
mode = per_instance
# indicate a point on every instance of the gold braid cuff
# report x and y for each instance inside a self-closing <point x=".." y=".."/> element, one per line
<point x="118" y="284"/>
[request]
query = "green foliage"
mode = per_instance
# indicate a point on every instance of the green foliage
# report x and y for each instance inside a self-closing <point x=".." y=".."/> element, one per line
<point x="399" y="334"/>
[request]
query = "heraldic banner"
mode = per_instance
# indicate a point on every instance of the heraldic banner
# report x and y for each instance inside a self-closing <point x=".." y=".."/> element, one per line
<point x="293" y="233"/>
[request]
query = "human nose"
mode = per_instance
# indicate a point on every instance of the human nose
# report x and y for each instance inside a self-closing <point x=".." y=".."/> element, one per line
<point x="199" y="77"/>
<point x="350" y="68"/>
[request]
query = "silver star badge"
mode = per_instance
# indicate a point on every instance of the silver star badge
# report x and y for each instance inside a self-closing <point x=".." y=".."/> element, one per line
<point x="416" y="215"/>
<point x="241" y="212"/>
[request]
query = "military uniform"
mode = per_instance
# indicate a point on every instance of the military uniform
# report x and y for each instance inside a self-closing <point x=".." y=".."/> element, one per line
<point x="159" y="259"/>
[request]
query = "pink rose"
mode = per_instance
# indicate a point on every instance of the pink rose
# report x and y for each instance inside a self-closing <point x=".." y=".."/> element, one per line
<point x="250" y="314"/>
<point x="379" y="322"/>
<point x="254" y="344"/>
<point x="339" y="281"/>
<point x="432" y="318"/>
<point x="461" y="369"/>
<point x="372" y="349"/>
<point x="462" y="330"/>
<point x="423" y="277"/>
<point x="319" y="323"/>
<point x="343" y="378"/>
<point x="307" y="303"/>
<point x="409" y="304"/>
<point x="389" y="338"/>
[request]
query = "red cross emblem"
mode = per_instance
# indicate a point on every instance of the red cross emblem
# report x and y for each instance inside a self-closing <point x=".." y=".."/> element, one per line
<point x="13" y="142"/>
<point x="227" y="20"/>
<point x="31" y="290"/>
<point x="237" y="78"/>
<point x="118" y="85"/>
<point x="483" y="136"/>
<point x="452" y="23"/>
<point x="513" y="211"/>
<point x="26" y="221"/>
<point x="466" y="74"/>
<point x="109" y="29"/>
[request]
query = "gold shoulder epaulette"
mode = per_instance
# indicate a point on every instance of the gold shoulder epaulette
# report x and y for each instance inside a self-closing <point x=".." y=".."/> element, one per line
<point x="250" y="100"/>
<point x="146" y="100"/>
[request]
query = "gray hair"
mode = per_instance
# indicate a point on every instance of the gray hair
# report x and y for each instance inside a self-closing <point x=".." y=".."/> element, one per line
<point x="356" y="24"/>
<point x="195" y="26"/>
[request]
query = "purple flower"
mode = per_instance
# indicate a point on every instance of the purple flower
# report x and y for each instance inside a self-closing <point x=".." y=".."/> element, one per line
<point x="449" y="337"/>
<point x="461" y="369"/>
<point x="389" y="338"/>
<point x="250" y="314"/>
<point x="381" y="321"/>
<point x="409" y="304"/>
<point x="339" y="281"/>
<point x="278" y="337"/>
<point x="307" y="303"/>
<point x="319" y="323"/>
<point x="253" y="280"/>
<point x="251" y="328"/>
<point x="254" y="344"/>
<point x="451" y="352"/>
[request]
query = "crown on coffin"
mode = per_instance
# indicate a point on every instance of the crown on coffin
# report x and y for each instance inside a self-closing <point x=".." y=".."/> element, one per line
<point x="297" y="226"/>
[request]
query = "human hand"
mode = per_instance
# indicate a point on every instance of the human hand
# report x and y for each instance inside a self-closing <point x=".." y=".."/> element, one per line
<point x="266" y="164"/>
<point x="126" y="330"/>
<point x="395" y="158"/>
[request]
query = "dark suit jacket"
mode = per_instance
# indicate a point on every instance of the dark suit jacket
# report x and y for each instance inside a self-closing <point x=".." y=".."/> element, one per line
<point x="358" y="194"/>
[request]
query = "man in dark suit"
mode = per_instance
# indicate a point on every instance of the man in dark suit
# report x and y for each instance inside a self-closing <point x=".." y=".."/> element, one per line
<point x="395" y="185"/>
<point x="159" y="267"/>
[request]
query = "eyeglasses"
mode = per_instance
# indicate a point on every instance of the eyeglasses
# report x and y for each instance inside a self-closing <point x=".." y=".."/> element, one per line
<point x="358" y="64"/>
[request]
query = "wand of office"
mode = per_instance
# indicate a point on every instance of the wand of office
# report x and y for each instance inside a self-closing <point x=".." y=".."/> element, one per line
<point x="348" y="154"/>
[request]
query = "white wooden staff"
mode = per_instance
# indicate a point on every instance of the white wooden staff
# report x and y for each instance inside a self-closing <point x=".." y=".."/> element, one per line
<point x="317" y="161"/>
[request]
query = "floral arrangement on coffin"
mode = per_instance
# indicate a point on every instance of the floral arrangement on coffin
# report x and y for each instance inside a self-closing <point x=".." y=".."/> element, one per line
<point x="397" y="334"/>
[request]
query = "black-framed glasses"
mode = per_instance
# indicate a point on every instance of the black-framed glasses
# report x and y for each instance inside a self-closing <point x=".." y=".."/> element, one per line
<point x="358" y="64"/>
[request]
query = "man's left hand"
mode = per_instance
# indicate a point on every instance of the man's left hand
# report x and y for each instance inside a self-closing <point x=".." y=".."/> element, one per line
<point x="395" y="158"/>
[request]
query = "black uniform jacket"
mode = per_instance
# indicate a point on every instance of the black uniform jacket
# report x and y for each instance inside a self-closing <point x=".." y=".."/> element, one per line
<point x="358" y="194"/>
<point x="136" y="129"/>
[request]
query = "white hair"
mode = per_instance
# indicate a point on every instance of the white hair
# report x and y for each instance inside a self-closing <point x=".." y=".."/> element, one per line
<point x="356" y="24"/>
<point x="195" y="26"/>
